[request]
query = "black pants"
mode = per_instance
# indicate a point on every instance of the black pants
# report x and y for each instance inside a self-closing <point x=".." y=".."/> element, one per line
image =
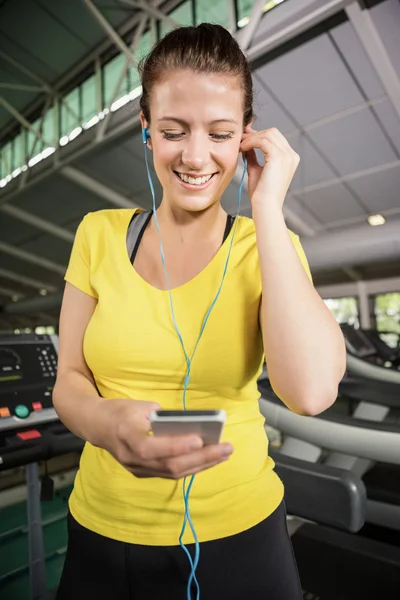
<point x="257" y="564"/>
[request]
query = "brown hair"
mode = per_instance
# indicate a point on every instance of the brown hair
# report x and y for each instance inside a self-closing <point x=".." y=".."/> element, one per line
<point x="207" y="48"/>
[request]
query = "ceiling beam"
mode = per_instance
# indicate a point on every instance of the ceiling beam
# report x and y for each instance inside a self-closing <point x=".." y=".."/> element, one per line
<point x="109" y="29"/>
<point x="151" y="11"/>
<point x="374" y="47"/>
<point x="52" y="228"/>
<point x="19" y="87"/>
<point x="10" y="292"/>
<point x="101" y="190"/>
<point x="269" y="42"/>
<point x="28" y="72"/>
<point x="35" y="283"/>
<point x="299" y="225"/>
<point x="32" y="258"/>
<point x="345" y="178"/>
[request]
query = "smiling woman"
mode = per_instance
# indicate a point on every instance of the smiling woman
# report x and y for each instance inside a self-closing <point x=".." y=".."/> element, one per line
<point x="120" y="357"/>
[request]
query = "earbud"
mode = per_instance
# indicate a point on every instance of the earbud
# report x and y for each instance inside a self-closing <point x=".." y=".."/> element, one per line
<point x="145" y="135"/>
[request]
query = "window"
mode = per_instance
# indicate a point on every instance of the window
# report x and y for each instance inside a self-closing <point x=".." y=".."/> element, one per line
<point x="387" y="316"/>
<point x="213" y="11"/>
<point x="183" y="15"/>
<point x="6" y="157"/>
<point x="345" y="310"/>
<point x="70" y="112"/>
<point x="89" y="99"/>
<point x="112" y="73"/>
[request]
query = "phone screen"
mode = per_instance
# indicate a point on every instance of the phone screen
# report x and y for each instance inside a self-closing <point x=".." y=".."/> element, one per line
<point x="189" y="413"/>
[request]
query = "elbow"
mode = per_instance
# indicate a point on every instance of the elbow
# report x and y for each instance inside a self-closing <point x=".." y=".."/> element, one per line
<point x="309" y="401"/>
<point x="315" y="402"/>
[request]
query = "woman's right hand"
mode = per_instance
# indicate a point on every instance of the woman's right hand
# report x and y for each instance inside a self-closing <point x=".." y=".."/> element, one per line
<point x="144" y="455"/>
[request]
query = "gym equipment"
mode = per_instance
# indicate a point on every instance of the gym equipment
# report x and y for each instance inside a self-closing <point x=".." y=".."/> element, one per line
<point x="336" y="564"/>
<point x="30" y="430"/>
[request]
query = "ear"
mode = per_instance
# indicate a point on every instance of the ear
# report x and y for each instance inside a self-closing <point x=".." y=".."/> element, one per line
<point x="145" y="125"/>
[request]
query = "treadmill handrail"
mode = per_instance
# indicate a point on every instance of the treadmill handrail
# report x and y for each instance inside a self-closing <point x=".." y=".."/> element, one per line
<point x="364" y="442"/>
<point x="365" y="369"/>
<point x="321" y="493"/>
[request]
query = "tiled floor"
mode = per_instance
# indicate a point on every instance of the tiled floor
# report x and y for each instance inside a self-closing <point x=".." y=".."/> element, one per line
<point x="14" y="574"/>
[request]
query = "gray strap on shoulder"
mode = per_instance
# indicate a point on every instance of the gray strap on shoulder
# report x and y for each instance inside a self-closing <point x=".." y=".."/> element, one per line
<point x="134" y="231"/>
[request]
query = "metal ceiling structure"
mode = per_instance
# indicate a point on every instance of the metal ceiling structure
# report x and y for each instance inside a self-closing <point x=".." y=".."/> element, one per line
<point x="326" y="72"/>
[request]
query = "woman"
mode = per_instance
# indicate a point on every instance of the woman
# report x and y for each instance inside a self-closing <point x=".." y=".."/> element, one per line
<point x="120" y="356"/>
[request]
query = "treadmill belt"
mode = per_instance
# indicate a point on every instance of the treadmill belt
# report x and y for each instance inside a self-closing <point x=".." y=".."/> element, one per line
<point x="338" y="566"/>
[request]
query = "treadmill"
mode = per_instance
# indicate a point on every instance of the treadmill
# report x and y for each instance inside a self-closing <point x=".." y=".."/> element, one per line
<point x="339" y="565"/>
<point x="30" y="430"/>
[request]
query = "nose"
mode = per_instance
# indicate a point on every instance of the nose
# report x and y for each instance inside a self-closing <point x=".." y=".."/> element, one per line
<point x="195" y="153"/>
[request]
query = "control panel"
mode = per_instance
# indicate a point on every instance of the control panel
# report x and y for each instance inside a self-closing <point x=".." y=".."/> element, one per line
<point x="28" y="369"/>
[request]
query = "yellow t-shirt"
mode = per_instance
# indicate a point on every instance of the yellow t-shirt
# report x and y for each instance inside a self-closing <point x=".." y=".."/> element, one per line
<point x="133" y="351"/>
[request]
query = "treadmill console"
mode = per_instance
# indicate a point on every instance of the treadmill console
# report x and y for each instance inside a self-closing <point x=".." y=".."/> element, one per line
<point x="28" y="368"/>
<point x="357" y="342"/>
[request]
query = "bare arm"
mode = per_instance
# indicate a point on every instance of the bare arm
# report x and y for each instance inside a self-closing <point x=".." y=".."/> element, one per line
<point x="304" y="347"/>
<point x="75" y="397"/>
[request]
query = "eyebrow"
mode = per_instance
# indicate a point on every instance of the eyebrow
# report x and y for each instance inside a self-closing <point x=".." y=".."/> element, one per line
<point x="182" y="122"/>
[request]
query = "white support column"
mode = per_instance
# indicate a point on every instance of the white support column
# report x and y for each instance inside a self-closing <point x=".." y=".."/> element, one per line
<point x="365" y="317"/>
<point x="245" y="35"/>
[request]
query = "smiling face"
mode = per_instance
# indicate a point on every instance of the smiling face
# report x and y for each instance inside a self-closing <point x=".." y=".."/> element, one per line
<point x="196" y="128"/>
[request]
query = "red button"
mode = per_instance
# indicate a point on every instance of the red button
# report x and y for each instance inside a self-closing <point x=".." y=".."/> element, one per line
<point x="29" y="435"/>
<point x="37" y="406"/>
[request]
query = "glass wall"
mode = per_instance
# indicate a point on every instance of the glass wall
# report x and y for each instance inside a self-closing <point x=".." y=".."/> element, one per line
<point x="345" y="310"/>
<point x="387" y="317"/>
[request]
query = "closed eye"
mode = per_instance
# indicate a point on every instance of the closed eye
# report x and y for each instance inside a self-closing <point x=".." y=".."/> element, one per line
<point x="215" y="136"/>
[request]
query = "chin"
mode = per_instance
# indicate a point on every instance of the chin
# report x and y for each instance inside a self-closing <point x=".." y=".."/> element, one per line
<point x="194" y="203"/>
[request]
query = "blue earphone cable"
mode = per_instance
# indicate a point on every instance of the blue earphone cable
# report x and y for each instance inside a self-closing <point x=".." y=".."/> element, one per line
<point x="187" y="517"/>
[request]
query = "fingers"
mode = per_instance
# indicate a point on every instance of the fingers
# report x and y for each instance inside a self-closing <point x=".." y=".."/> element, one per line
<point x="181" y="466"/>
<point x="272" y="135"/>
<point x="163" y="447"/>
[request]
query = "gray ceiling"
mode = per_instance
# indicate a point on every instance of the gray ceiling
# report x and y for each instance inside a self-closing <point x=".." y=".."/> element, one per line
<point x="323" y="93"/>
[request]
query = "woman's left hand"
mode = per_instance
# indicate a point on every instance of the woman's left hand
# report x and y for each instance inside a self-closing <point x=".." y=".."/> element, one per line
<point x="270" y="182"/>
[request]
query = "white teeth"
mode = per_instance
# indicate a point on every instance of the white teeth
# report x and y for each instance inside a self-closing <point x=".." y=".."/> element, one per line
<point x="194" y="181"/>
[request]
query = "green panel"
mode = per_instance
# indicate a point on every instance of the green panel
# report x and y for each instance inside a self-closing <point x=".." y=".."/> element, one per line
<point x="213" y="11"/>
<point x="183" y="15"/>
<point x="244" y="8"/>
<point x="112" y="72"/>
<point x="70" y="118"/>
<point x="142" y="49"/>
<point x="19" y="150"/>
<point x="89" y="101"/>
<point x="345" y="310"/>
<point x="6" y="156"/>
<point x="48" y="128"/>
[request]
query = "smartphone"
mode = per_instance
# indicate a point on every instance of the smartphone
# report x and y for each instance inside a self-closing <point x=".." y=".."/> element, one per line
<point x="207" y="424"/>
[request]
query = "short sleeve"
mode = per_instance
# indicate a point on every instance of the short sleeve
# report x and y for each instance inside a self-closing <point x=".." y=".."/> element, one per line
<point x="78" y="271"/>
<point x="301" y="254"/>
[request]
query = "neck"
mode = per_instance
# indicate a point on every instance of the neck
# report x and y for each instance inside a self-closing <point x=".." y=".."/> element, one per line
<point x="191" y="227"/>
